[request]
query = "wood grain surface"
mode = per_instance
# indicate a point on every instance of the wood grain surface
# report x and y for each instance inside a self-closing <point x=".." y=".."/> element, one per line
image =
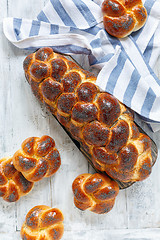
<point x="136" y="214"/>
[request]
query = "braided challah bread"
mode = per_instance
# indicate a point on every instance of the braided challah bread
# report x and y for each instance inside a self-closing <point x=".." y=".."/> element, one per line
<point x="102" y="125"/>
<point x="13" y="185"/>
<point x="37" y="158"/>
<point x="43" y="223"/>
<point x="122" y="17"/>
<point x="95" y="192"/>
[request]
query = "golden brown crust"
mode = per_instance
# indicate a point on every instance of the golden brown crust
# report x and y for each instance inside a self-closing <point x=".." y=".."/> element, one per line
<point x="37" y="158"/>
<point x="102" y="125"/>
<point x="95" y="192"/>
<point x="43" y="222"/>
<point x="13" y="185"/>
<point x="122" y="17"/>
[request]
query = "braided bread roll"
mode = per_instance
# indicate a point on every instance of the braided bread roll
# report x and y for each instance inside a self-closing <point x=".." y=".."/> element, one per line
<point x="13" y="185"/>
<point x="37" y="158"/>
<point x="102" y="125"/>
<point x="122" y="17"/>
<point x="95" y="192"/>
<point x="43" y="223"/>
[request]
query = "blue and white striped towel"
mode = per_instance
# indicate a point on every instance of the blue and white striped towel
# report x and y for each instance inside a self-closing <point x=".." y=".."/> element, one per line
<point x="76" y="27"/>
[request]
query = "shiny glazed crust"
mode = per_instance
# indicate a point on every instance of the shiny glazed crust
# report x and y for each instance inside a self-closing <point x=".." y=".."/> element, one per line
<point x="13" y="185"/>
<point x="37" y="158"/>
<point x="122" y="17"/>
<point x="102" y="125"/>
<point x="95" y="192"/>
<point x="43" y="223"/>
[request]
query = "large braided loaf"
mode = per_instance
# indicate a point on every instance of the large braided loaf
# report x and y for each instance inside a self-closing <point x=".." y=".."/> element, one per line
<point x="102" y="125"/>
<point x="122" y="17"/>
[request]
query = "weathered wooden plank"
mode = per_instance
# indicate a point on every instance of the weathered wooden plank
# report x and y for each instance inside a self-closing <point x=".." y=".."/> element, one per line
<point x="25" y="8"/>
<point x="145" y="234"/>
<point x="7" y="214"/>
<point x="122" y="234"/>
<point x="21" y="117"/>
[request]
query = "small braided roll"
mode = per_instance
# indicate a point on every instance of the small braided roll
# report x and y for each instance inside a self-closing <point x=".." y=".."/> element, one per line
<point x="43" y="223"/>
<point x="122" y="17"/>
<point x="13" y="185"/>
<point x="95" y="192"/>
<point x="37" y="158"/>
<point x="102" y="125"/>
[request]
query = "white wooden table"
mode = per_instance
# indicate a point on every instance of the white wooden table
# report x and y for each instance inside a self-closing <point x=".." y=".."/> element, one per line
<point x="136" y="214"/>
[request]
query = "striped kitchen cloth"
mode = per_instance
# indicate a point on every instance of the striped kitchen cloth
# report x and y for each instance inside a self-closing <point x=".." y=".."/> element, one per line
<point x="125" y="65"/>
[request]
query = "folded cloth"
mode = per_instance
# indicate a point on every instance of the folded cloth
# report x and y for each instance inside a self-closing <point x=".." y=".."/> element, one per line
<point x="125" y="65"/>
